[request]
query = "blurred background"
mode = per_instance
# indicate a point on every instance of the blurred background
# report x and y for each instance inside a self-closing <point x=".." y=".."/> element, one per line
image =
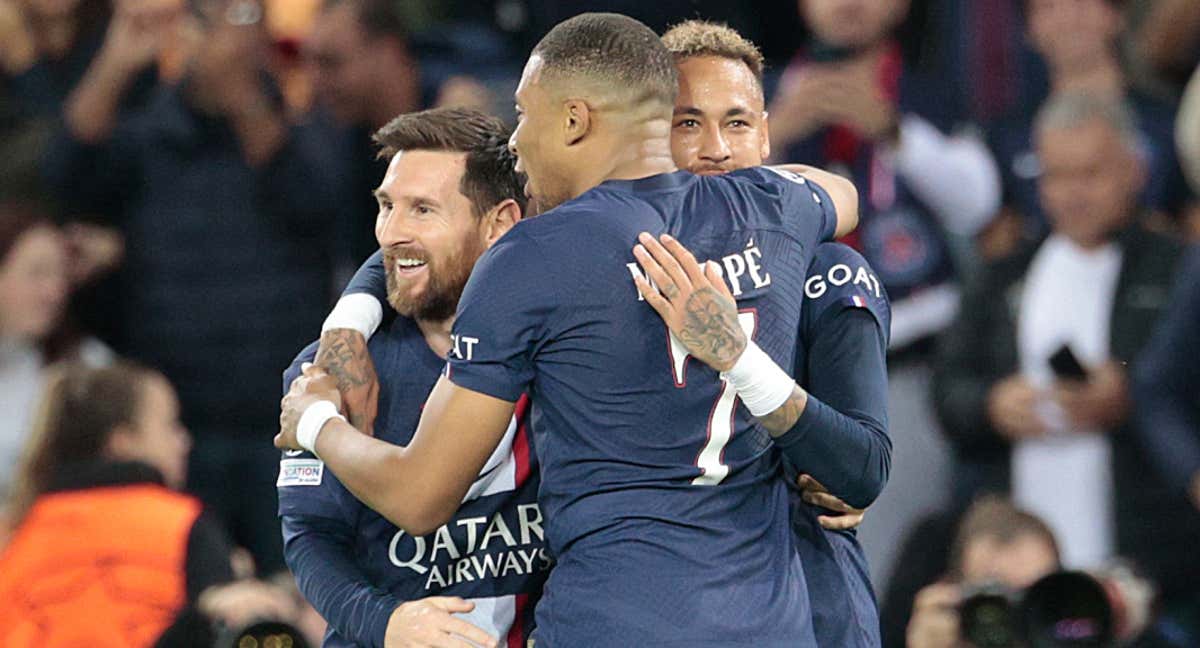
<point x="186" y="184"/>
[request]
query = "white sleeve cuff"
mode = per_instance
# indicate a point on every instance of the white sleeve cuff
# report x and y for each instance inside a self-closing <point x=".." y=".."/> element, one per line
<point x="360" y="311"/>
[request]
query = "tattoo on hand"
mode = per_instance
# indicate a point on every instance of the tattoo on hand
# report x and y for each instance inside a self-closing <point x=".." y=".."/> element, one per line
<point x="711" y="331"/>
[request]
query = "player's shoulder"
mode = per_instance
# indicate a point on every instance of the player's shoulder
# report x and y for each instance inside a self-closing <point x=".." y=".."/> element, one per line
<point x="839" y="276"/>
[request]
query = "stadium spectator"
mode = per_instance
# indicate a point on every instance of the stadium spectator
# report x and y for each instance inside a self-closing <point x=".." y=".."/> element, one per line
<point x="225" y="211"/>
<point x="97" y="512"/>
<point x="364" y="73"/>
<point x="34" y="285"/>
<point x="1089" y="62"/>
<point x="1021" y="418"/>
<point x="856" y="102"/>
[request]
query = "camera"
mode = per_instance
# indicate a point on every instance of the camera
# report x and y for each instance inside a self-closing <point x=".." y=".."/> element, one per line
<point x="262" y="634"/>
<point x="1066" y="609"/>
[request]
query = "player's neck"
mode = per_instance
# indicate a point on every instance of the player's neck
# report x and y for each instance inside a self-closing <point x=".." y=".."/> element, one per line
<point x="640" y="157"/>
<point x="437" y="334"/>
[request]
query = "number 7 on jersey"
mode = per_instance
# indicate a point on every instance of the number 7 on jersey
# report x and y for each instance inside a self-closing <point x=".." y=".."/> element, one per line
<point x="720" y="420"/>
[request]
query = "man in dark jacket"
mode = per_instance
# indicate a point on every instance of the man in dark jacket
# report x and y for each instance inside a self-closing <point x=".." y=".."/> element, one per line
<point x="224" y="214"/>
<point x="1004" y="390"/>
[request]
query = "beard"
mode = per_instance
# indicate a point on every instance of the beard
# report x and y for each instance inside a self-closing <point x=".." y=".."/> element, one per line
<point x="443" y="286"/>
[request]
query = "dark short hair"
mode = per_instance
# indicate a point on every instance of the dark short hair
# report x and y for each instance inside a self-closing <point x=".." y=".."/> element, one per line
<point x="490" y="176"/>
<point x="992" y="516"/>
<point x="702" y="38"/>
<point x="616" y="51"/>
<point x="379" y="18"/>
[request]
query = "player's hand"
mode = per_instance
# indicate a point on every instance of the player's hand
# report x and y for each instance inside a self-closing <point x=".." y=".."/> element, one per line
<point x="312" y="386"/>
<point x="343" y="354"/>
<point x="934" y="622"/>
<point x="430" y="623"/>
<point x="1012" y="407"/>
<point x="814" y="493"/>
<point x="694" y="302"/>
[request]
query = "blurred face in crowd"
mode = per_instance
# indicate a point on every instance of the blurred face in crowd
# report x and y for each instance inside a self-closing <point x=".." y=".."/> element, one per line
<point x="156" y="438"/>
<point x="539" y="141"/>
<point x="1073" y="34"/>
<point x="852" y="23"/>
<point x="720" y="123"/>
<point x="233" y="39"/>
<point x="1090" y="180"/>
<point x="33" y="284"/>
<point x="427" y="230"/>
<point x="347" y="64"/>
<point x="50" y="9"/>
<point x="1016" y="564"/>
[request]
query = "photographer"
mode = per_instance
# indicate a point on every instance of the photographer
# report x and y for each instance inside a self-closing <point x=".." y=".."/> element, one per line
<point x="1005" y="588"/>
<point x="997" y="543"/>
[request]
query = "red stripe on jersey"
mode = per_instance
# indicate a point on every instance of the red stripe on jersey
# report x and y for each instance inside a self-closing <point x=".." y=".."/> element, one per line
<point x="520" y="447"/>
<point x="517" y="634"/>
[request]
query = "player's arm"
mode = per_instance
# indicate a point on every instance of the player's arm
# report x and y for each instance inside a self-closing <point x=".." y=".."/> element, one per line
<point x="699" y="309"/>
<point x="417" y="487"/>
<point x="321" y="554"/>
<point x="840" y="190"/>
<point x="343" y="347"/>
<point x="841" y="437"/>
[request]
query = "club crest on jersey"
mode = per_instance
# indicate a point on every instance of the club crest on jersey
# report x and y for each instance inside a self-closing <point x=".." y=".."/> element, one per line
<point x="742" y="271"/>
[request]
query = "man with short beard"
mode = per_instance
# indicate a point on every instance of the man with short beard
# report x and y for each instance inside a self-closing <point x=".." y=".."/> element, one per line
<point x="450" y="191"/>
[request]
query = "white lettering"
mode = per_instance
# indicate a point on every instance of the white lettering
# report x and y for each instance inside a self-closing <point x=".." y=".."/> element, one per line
<point x="464" y="347"/>
<point x="527" y="558"/>
<point x="464" y="565"/>
<point x="511" y="564"/>
<point x="442" y="540"/>
<point x="760" y="280"/>
<point x="435" y="575"/>
<point x="418" y="553"/>
<point x="815" y="286"/>
<point x="735" y="267"/>
<point x="863" y="277"/>
<point x="490" y="566"/>
<point x="845" y="277"/>
<point x="472" y="525"/>
<point x="498" y="528"/>
<point x="635" y="271"/>
<point x="529" y="523"/>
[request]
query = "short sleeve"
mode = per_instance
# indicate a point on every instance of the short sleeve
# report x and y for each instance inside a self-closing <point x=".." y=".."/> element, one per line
<point x="304" y="486"/>
<point x="840" y="278"/>
<point x="805" y="206"/>
<point x="502" y="317"/>
<point x="370" y="279"/>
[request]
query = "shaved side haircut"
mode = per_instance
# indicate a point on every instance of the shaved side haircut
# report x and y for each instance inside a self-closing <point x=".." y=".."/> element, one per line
<point x="611" y="54"/>
<point x="694" y="38"/>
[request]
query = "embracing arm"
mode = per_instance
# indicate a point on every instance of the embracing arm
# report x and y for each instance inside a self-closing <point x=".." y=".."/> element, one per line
<point x="417" y="487"/>
<point x="320" y="552"/>
<point x="840" y="189"/>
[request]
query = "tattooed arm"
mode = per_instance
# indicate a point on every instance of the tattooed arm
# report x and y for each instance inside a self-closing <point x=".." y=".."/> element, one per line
<point x="699" y="310"/>
<point x="343" y="355"/>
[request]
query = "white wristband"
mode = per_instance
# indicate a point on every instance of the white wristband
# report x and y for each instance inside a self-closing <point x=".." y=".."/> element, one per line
<point x="359" y="311"/>
<point x="314" y="418"/>
<point x="759" y="382"/>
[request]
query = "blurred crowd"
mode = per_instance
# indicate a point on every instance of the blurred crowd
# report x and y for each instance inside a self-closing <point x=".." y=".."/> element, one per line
<point x="185" y="184"/>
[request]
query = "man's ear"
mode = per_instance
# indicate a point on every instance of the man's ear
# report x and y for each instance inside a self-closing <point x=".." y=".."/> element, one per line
<point x="765" y="148"/>
<point x="499" y="220"/>
<point x="578" y="116"/>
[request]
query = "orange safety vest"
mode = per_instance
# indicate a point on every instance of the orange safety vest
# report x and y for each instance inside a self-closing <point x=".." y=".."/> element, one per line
<point x="97" y="567"/>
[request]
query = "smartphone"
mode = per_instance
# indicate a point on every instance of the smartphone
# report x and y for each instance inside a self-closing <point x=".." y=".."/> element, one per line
<point x="1066" y="366"/>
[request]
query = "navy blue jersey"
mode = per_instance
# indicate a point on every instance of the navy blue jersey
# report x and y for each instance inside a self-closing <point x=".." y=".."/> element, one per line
<point x="492" y="552"/>
<point x="840" y="286"/>
<point x="663" y="501"/>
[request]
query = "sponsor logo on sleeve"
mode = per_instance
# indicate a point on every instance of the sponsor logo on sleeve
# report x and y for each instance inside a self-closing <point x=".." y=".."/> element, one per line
<point x="300" y="472"/>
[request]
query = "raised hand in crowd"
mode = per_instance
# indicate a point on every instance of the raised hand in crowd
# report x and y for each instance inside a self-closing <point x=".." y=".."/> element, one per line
<point x="935" y="621"/>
